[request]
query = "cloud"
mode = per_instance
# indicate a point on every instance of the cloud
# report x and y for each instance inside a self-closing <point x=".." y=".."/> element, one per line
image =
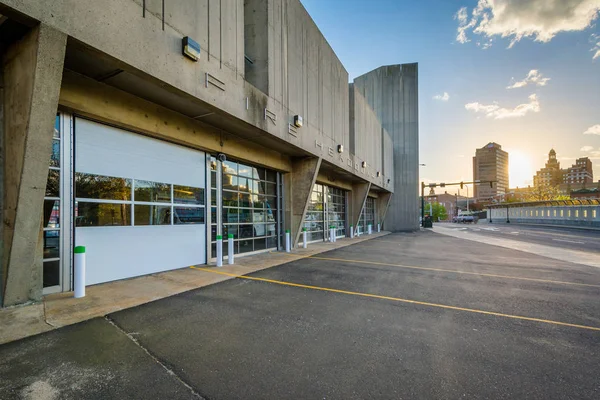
<point x="497" y="112"/>
<point x="534" y="77"/>
<point x="593" y="130"/>
<point x="442" y="97"/>
<point x="587" y="148"/>
<point x="540" y="20"/>
<point x="595" y="40"/>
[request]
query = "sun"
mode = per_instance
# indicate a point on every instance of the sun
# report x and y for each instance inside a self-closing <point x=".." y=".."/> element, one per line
<point x="520" y="169"/>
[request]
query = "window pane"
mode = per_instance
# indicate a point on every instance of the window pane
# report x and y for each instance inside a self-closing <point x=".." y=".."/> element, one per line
<point x="245" y="215"/>
<point x="246" y="246"/>
<point x="230" y="182"/>
<point x="271" y="203"/>
<point x="51" y="273"/>
<point x="260" y="244"/>
<point x="57" y="127"/>
<point x="213" y="215"/>
<point x="230" y="199"/>
<point x="51" y="244"/>
<point x="230" y="215"/>
<point x="246" y="231"/>
<point x="55" y="156"/>
<point x="53" y="183"/>
<point x="188" y="215"/>
<point x="259" y="216"/>
<point x="102" y="214"/>
<point x="213" y="197"/>
<point x="260" y="187"/>
<point x="51" y="214"/>
<point x="213" y="179"/>
<point x="152" y="215"/>
<point x="188" y="195"/>
<point x="270" y="189"/>
<point x="91" y="186"/>
<point x="233" y="229"/>
<point x="245" y="200"/>
<point x="259" y="230"/>
<point x="245" y="170"/>
<point x="271" y="242"/>
<point x="230" y="167"/>
<point x="154" y="192"/>
<point x="259" y="202"/>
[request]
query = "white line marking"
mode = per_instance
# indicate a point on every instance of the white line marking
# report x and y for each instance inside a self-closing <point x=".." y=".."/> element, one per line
<point x="568" y="241"/>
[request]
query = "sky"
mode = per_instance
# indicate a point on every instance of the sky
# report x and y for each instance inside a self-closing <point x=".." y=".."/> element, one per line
<point x="522" y="73"/>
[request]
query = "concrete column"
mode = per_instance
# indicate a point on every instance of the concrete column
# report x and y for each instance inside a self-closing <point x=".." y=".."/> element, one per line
<point x="32" y="77"/>
<point x="360" y="192"/>
<point x="298" y="187"/>
<point x="382" y="204"/>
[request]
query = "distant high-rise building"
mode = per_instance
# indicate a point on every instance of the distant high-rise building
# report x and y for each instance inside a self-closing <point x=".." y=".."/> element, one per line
<point x="579" y="173"/>
<point x="490" y="164"/>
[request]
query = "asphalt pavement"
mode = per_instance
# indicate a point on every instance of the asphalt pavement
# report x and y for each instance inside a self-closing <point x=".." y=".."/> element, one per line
<point x="405" y="316"/>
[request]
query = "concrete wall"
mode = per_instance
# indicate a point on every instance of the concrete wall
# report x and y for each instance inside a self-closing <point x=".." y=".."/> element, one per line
<point x="581" y="215"/>
<point x="304" y="76"/>
<point x="392" y="92"/>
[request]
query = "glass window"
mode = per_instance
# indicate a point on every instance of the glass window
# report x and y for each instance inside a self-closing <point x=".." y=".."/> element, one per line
<point x="245" y="170"/>
<point x="51" y="214"/>
<point x="51" y="273"/>
<point x="153" y="192"/>
<point x="230" y="168"/>
<point x="230" y="199"/>
<point x="152" y="215"/>
<point x="188" y="215"/>
<point x="246" y="231"/>
<point x="230" y="215"/>
<point x="90" y="186"/>
<point x="102" y="214"/>
<point x="188" y="195"/>
<point x="245" y="215"/>
<point x="53" y="183"/>
<point x="52" y="244"/>
<point x="55" y="156"/>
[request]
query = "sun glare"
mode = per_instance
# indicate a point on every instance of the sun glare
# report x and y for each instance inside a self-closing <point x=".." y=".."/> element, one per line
<point x="520" y="169"/>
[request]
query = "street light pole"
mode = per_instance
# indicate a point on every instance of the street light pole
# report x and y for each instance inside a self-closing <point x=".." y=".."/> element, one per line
<point x="467" y="198"/>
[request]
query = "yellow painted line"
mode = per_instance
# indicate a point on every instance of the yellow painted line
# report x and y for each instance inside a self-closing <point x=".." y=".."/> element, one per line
<point x="456" y="271"/>
<point x="397" y="299"/>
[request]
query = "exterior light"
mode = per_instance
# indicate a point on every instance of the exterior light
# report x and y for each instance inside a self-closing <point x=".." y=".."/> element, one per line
<point x="298" y="121"/>
<point x="340" y="148"/>
<point x="364" y="164"/>
<point x="388" y="180"/>
<point x="190" y="48"/>
<point x="378" y="173"/>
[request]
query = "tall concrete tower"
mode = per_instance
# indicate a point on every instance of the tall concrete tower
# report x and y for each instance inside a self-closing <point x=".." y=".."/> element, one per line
<point x="392" y="92"/>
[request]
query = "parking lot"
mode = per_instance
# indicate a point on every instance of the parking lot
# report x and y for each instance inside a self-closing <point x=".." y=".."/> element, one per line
<point x="402" y="316"/>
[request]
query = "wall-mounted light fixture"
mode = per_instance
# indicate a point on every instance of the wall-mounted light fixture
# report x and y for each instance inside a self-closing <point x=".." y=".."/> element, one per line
<point x="364" y="164"/>
<point x="190" y="48"/>
<point x="388" y="180"/>
<point x="298" y="121"/>
<point x="340" y="148"/>
<point x="378" y="173"/>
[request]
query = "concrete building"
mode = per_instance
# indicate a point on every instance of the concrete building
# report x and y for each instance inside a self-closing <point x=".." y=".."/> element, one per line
<point x="551" y="174"/>
<point x="490" y="164"/>
<point x="145" y="129"/>
<point x="580" y="172"/>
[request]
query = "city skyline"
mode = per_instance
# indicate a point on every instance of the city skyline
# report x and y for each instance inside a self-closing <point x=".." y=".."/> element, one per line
<point x="489" y="72"/>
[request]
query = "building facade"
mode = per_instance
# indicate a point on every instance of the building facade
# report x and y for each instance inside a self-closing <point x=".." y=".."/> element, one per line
<point x="490" y="164"/>
<point x="580" y="173"/>
<point x="192" y="120"/>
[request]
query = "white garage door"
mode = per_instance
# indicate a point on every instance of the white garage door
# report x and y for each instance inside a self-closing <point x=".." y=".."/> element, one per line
<point x="139" y="203"/>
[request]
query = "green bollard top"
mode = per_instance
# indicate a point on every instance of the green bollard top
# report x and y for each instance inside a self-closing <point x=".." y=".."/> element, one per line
<point x="79" y="249"/>
<point x="287" y="231"/>
<point x="219" y="237"/>
<point x="230" y="236"/>
<point x="303" y="229"/>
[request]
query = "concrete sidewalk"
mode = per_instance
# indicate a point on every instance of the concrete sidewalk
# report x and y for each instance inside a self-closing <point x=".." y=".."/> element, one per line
<point x="63" y="309"/>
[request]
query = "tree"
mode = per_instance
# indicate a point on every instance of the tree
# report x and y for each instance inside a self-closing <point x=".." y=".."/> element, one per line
<point x="545" y="192"/>
<point x="439" y="211"/>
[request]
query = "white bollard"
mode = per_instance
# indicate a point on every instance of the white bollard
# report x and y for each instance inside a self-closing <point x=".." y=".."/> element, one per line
<point x="369" y="229"/>
<point x="378" y="227"/>
<point x="230" y="251"/>
<point x="351" y="232"/>
<point x="219" y="251"/>
<point x="79" y="259"/>
<point x="288" y="244"/>
<point x="304" y="238"/>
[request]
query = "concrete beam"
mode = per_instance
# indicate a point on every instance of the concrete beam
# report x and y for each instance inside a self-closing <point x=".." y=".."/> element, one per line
<point x="107" y="104"/>
<point x="382" y="204"/>
<point x="298" y="188"/>
<point x="360" y="192"/>
<point x="32" y="77"/>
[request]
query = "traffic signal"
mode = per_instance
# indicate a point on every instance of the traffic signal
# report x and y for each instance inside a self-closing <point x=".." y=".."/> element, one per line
<point x="461" y="185"/>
